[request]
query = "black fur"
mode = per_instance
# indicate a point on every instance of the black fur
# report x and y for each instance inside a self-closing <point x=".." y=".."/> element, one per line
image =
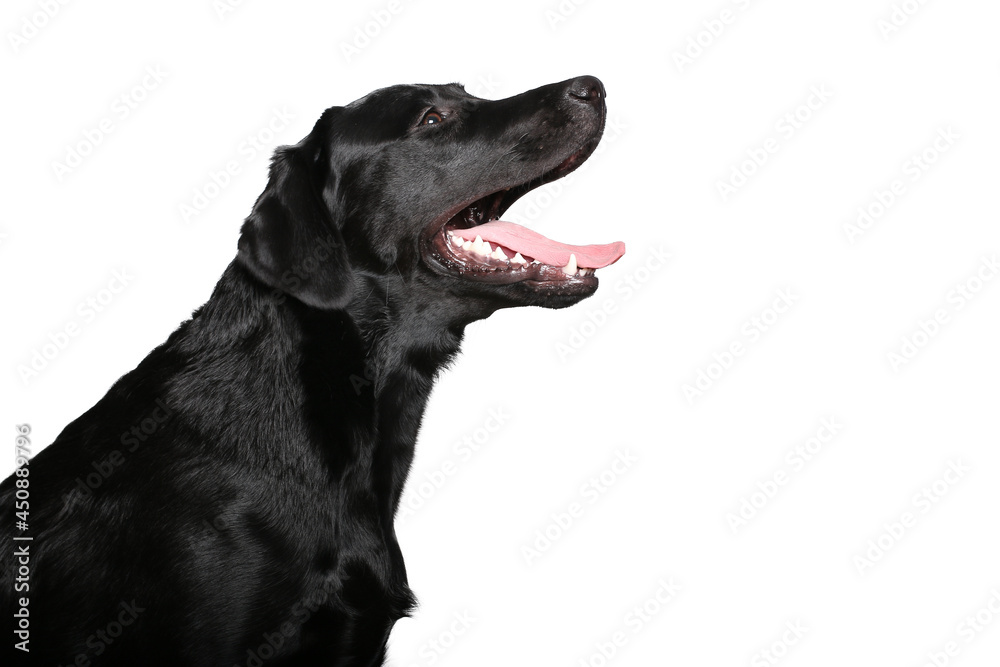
<point x="237" y="489"/>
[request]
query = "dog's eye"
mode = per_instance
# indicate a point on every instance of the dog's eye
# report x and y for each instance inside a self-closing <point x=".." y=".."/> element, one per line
<point x="431" y="118"/>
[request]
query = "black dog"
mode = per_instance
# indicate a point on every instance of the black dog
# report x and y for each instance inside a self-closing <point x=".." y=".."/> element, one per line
<point x="230" y="501"/>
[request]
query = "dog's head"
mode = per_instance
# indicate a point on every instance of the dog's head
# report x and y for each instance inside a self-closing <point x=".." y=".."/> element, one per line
<point x="409" y="183"/>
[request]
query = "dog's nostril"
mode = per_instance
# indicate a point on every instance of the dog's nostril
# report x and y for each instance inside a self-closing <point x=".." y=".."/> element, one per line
<point x="587" y="88"/>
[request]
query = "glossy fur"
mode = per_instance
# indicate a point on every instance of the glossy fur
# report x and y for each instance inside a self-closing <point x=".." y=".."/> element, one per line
<point x="230" y="501"/>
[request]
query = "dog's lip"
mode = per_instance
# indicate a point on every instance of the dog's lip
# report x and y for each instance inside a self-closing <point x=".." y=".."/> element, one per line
<point x="506" y="195"/>
<point x="564" y="168"/>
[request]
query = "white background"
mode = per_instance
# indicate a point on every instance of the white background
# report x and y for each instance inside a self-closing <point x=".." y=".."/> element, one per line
<point x="579" y="387"/>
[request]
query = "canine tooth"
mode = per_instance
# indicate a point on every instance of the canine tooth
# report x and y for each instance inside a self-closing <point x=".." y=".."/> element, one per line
<point x="467" y="245"/>
<point x="498" y="254"/>
<point x="477" y="245"/>
<point x="570" y="267"/>
<point x="517" y="259"/>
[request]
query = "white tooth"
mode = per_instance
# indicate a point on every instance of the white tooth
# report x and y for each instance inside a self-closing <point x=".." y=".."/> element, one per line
<point x="498" y="254"/>
<point x="517" y="259"/>
<point x="570" y="267"/>
<point x="467" y="245"/>
<point x="458" y="240"/>
<point x="487" y="250"/>
<point x="477" y="245"/>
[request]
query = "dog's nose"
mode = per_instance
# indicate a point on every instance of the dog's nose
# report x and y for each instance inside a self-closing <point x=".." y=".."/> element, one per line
<point x="587" y="89"/>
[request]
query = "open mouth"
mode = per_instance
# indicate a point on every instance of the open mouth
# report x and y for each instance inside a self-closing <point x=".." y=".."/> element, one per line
<point x="476" y="244"/>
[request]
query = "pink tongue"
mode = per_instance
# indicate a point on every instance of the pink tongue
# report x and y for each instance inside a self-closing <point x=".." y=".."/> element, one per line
<point x="545" y="250"/>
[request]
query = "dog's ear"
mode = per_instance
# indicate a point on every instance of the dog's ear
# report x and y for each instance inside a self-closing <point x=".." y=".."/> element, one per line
<point x="291" y="240"/>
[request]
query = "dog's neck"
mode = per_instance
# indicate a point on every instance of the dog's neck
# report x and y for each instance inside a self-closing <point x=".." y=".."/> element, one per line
<point x="407" y="338"/>
<point x="366" y="371"/>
